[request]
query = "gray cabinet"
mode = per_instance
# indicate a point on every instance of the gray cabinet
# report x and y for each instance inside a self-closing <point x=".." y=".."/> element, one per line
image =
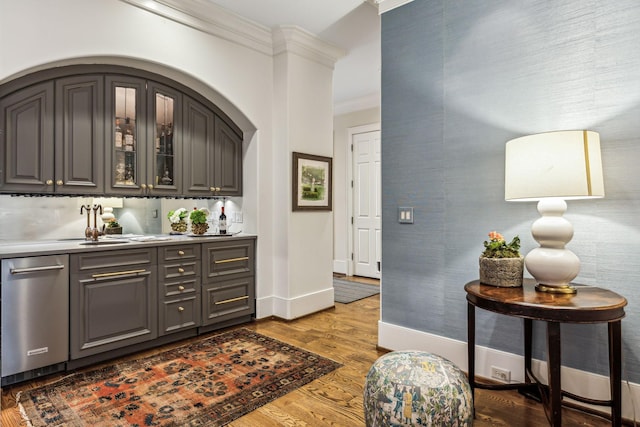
<point x="212" y="152"/>
<point x="79" y="112"/>
<point x="227" y="165"/>
<point x="54" y="148"/>
<point x="228" y="289"/>
<point x="179" y="288"/>
<point x="113" y="300"/>
<point x="26" y="140"/>
<point x="94" y="130"/>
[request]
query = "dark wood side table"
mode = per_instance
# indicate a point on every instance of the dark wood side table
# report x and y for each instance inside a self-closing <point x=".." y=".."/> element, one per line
<point x="590" y="305"/>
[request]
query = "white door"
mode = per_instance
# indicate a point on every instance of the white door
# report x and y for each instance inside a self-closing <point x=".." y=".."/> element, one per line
<point x="367" y="211"/>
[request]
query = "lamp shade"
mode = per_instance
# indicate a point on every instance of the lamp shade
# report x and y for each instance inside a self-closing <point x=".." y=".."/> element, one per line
<point x="565" y="164"/>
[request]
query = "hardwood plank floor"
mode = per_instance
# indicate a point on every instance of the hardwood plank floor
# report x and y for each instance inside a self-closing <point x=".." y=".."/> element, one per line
<point x="347" y="334"/>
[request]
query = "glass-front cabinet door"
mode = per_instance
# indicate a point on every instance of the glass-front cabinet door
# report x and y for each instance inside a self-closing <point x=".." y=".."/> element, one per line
<point x="166" y="150"/>
<point x="127" y="137"/>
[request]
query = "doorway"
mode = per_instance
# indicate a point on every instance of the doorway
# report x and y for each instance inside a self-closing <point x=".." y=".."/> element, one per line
<point x="365" y="217"/>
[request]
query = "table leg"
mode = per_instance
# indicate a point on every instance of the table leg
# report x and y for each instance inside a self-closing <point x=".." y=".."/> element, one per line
<point x="615" y="371"/>
<point x="554" y="361"/>
<point x="528" y="346"/>
<point x="471" y="347"/>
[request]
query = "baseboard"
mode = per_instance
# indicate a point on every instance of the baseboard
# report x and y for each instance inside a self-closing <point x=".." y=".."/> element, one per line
<point x="394" y="337"/>
<point x="293" y="308"/>
<point x="340" y="266"/>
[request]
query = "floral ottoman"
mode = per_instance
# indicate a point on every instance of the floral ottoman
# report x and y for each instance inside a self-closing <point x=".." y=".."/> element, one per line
<point x="416" y="388"/>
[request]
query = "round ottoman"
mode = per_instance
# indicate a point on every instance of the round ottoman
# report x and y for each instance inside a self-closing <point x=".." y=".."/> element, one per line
<point x="416" y="388"/>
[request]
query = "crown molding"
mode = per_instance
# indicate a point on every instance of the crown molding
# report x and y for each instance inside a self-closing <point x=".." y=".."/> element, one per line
<point x="387" y="5"/>
<point x="291" y="38"/>
<point x="211" y="19"/>
<point x="357" y="104"/>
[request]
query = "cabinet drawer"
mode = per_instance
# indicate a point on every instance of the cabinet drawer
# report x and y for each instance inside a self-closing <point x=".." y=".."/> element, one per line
<point x="172" y="253"/>
<point x="227" y="300"/>
<point x="119" y="260"/>
<point x="224" y="259"/>
<point x="179" y="314"/>
<point x="180" y="269"/>
<point x="179" y="288"/>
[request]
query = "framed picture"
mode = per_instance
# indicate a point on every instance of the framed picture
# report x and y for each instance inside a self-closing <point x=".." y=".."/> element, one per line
<point x="312" y="186"/>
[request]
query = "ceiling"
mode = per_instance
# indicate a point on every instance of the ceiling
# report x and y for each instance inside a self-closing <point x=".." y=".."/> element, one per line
<point x="353" y="25"/>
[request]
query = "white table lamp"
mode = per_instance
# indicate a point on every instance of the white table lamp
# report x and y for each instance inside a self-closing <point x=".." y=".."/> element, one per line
<point x="550" y="168"/>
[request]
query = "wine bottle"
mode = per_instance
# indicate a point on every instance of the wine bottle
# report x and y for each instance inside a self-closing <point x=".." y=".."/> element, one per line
<point x="128" y="141"/>
<point x="222" y="223"/>
<point x="170" y="139"/>
<point x="118" y="133"/>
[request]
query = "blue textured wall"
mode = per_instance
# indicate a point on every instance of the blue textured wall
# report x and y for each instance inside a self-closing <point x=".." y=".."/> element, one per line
<point x="459" y="79"/>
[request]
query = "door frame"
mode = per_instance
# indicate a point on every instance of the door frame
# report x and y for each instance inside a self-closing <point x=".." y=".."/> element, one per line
<point x="349" y="187"/>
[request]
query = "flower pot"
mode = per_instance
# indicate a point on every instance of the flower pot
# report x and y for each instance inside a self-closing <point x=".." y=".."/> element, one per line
<point x="179" y="227"/>
<point x="502" y="272"/>
<point x="113" y="230"/>
<point x="199" y="228"/>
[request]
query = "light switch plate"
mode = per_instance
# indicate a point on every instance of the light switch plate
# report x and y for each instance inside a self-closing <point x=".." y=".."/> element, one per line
<point x="405" y="215"/>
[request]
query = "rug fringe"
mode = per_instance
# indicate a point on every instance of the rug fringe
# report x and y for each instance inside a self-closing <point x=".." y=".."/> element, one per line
<point x="23" y="413"/>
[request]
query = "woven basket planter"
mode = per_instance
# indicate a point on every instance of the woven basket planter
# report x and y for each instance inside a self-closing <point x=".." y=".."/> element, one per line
<point x="503" y="272"/>
<point x="199" y="228"/>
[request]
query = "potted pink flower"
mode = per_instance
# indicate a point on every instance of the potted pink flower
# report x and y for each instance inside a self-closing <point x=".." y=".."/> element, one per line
<point x="501" y="263"/>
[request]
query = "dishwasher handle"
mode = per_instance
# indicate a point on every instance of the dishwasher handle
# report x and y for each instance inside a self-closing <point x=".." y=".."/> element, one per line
<point x="34" y="269"/>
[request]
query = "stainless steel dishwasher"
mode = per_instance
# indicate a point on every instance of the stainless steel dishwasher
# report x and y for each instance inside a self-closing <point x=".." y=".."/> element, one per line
<point x="35" y="316"/>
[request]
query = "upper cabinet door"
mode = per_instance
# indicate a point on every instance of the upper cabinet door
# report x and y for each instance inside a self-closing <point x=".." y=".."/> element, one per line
<point x="26" y="144"/>
<point x="164" y="127"/>
<point x="126" y="136"/>
<point x="79" y="158"/>
<point x="198" y="137"/>
<point x="227" y="160"/>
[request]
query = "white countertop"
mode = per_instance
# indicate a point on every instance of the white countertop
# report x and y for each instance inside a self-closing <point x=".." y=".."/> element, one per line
<point x="12" y="249"/>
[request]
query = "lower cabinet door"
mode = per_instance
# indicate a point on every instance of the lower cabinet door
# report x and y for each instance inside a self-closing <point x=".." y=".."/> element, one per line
<point x="112" y="311"/>
<point x="179" y="314"/>
<point x="227" y="300"/>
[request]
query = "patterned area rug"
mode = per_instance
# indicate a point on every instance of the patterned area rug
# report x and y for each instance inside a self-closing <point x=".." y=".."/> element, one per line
<point x="345" y="291"/>
<point x="207" y="383"/>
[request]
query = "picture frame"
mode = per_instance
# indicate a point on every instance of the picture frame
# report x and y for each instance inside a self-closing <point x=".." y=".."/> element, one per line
<point x="312" y="186"/>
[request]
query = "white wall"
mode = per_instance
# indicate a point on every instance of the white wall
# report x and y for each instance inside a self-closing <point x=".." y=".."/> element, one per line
<point x="236" y="74"/>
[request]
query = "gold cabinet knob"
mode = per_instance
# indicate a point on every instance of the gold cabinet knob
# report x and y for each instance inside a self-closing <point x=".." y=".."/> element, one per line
<point x="180" y="308"/>
<point x="143" y="186"/>
<point x="212" y="189"/>
<point x="150" y="186"/>
<point x="217" y="188"/>
<point x="181" y="288"/>
<point x="49" y="182"/>
<point x="180" y="253"/>
<point x="59" y="182"/>
<point x="180" y="270"/>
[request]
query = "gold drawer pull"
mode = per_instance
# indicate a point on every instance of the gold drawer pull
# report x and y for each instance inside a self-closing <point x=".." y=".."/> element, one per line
<point x="227" y="301"/>
<point x="222" y="261"/>
<point x="118" y="273"/>
<point x="180" y="270"/>
<point x="180" y="308"/>
<point x="181" y="288"/>
<point x="180" y="253"/>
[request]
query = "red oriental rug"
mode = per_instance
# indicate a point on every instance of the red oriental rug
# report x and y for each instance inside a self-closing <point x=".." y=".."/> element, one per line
<point x="207" y="383"/>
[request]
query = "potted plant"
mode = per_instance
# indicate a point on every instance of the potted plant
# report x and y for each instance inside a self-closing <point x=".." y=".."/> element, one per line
<point x="198" y="219"/>
<point x="178" y="219"/>
<point x="501" y="263"/>
<point x="113" y="227"/>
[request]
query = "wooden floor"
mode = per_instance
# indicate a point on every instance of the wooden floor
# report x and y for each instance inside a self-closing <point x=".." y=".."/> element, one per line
<point x="347" y="334"/>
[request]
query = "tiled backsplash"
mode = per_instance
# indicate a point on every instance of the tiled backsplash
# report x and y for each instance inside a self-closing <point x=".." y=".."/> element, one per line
<point x="37" y="218"/>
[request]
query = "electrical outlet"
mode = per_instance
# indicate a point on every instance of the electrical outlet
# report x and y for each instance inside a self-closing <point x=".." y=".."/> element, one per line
<point x="500" y="374"/>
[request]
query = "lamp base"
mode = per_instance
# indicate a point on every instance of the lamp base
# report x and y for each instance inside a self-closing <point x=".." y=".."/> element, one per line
<point x="566" y="289"/>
